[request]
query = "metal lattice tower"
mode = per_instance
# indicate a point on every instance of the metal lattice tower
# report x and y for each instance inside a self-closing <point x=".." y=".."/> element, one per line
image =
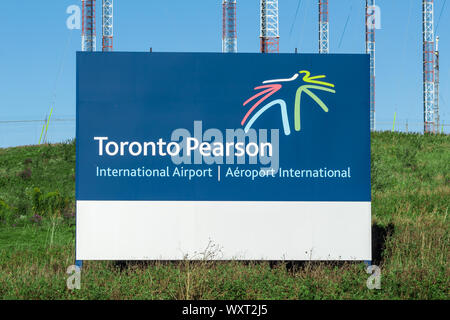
<point x="324" y="43"/>
<point x="88" y="37"/>
<point x="107" y="25"/>
<point x="436" y="89"/>
<point x="229" y="30"/>
<point x="370" y="49"/>
<point x="270" y="38"/>
<point x="428" y="66"/>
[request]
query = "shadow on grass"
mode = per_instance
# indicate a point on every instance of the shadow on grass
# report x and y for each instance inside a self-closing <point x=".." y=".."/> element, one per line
<point x="380" y="234"/>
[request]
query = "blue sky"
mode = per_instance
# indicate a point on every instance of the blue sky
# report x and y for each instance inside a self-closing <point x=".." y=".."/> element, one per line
<point x="37" y="51"/>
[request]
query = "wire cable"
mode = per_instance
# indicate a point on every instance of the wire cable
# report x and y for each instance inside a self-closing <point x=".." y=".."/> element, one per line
<point x="345" y="27"/>
<point x="295" y="17"/>
<point x="440" y="15"/>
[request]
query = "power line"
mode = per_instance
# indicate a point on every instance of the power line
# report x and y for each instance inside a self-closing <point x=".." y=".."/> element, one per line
<point x="345" y="27"/>
<point x="295" y="17"/>
<point x="35" y="121"/>
<point x="306" y="6"/>
<point x="440" y="15"/>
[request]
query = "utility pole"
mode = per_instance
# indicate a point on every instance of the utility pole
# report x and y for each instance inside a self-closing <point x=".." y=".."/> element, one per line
<point x="436" y="89"/>
<point x="229" y="29"/>
<point x="88" y="36"/>
<point x="324" y="43"/>
<point x="428" y="66"/>
<point x="270" y="37"/>
<point x="107" y="25"/>
<point x="370" y="49"/>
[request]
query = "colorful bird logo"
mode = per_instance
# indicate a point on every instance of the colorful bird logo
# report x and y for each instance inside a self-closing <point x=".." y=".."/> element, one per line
<point x="270" y="87"/>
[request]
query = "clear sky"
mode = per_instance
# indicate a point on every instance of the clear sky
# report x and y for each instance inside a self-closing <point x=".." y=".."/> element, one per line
<point x="37" y="51"/>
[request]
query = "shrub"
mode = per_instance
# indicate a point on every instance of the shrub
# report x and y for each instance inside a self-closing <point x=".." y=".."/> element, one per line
<point x="380" y="175"/>
<point x="36" y="219"/>
<point x="68" y="149"/>
<point x="36" y="198"/>
<point x="46" y="152"/>
<point x="25" y="174"/>
<point x="54" y="203"/>
<point x="22" y="207"/>
<point x="48" y="204"/>
<point x="6" y="214"/>
<point x="408" y="156"/>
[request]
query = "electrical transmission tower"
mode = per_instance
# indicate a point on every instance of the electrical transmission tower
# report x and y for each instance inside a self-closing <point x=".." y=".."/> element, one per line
<point x="436" y="89"/>
<point x="88" y="37"/>
<point x="428" y="66"/>
<point x="107" y="25"/>
<point x="370" y="49"/>
<point x="324" y="44"/>
<point x="270" y="38"/>
<point x="229" y="30"/>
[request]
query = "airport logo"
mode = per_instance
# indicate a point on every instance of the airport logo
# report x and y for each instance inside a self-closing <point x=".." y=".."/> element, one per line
<point x="271" y="87"/>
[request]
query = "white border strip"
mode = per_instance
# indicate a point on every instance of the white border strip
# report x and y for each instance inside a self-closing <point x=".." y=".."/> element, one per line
<point x="174" y="230"/>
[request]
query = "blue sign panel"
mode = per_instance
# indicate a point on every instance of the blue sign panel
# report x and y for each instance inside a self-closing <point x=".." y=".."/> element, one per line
<point x="222" y="127"/>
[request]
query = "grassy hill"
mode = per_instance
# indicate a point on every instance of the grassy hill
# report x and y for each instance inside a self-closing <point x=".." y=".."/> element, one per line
<point x="410" y="194"/>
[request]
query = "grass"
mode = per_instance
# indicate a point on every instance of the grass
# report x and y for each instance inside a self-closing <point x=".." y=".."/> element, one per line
<point x="410" y="194"/>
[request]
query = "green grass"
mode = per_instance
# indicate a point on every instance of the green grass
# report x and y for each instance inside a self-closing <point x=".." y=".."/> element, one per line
<point x="411" y="192"/>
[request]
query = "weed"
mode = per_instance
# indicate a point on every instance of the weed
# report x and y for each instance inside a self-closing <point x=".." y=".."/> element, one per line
<point x="6" y="214"/>
<point x="25" y="174"/>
